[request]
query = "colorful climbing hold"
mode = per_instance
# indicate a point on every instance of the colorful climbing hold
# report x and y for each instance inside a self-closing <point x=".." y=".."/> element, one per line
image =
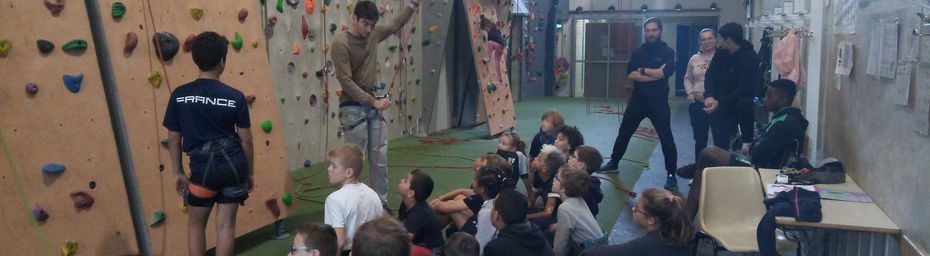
<point x="55" y="6"/>
<point x="382" y="85"/>
<point x="266" y="126"/>
<point x="45" y="46"/>
<point x="155" y="79"/>
<point x="131" y="41"/>
<point x="304" y="27"/>
<point x="164" y="141"/>
<point x="39" y="213"/>
<point x="272" y="205"/>
<point x="491" y="87"/>
<point x="296" y="49"/>
<point x="310" y="5"/>
<point x="255" y="44"/>
<point x="70" y="247"/>
<point x="313" y="100"/>
<point x="5" y="46"/>
<point x="195" y="13"/>
<point x="237" y="42"/>
<point x="82" y="200"/>
<point x="73" y="83"/>
<point x="157" y="218"/>
<point x="332" y="28"/>
<point x="166" y="45"/>
<point x="426" y="42"/>
<point x="327" y="2"/>
<point x="243" y="13"/>
<point x="293" y="3"/>
<point x="32" y="89"/>
<point x="118" y="10"/>
<point x="287" y="199"/>
<point x="250" y="99"/>
<point x="280" y="6"/>
<point x="291" y="67"/>
<point x="188" y="43"/>
<point x="433" y="29"/>
<point x="392" y="48"/>
<point x="53" y="168"/>
<point x="307" y="163"/>
<point x="75" y="45"/>
<point x="339" y="91"/>
<point x="283" y="99"/>
<point x="183" y="207"/>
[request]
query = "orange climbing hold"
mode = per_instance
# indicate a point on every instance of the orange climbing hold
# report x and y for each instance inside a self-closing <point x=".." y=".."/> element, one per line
<point x="296" y="49"/>
<point x="310" y="5"/>
<point x="339" y="91"/>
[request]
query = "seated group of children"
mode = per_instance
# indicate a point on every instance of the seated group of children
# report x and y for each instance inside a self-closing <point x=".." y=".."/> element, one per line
<point x="492" y="217"/>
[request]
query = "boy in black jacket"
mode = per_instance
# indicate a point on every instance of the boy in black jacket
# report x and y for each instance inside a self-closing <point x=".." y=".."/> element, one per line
<point x="516" y="236"/>
<point x="731" y="82"/>
<point x="784" y="135"/>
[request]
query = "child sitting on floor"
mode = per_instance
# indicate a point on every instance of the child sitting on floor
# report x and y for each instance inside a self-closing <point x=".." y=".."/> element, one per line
<point x="489" y="181"/>
<point x="587" y="158"/>
<point x="576" y="227"/>
<point x="511" y="148"/>
<point x="568" y="138"/>
<point x="666" y="218"/>
<point x="458" y="207"/>
<point x="551" y="120"/>
<point x="421" y="222"/>
<point x="355" y="203"/>
<point x="546" y="165"/>
<point x="516" y="236"/>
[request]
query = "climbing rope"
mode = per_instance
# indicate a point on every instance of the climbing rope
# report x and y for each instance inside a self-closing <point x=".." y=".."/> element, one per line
<point x="24" y="198"/>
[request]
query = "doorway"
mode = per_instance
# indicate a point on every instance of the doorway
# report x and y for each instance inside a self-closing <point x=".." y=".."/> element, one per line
<point x="602" y="52"/>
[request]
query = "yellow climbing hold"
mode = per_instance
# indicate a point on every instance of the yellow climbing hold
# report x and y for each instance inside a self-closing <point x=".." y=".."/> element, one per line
<point x="183" y="207"/>
<point x="196" y="13"/>
<point x="255" y="44"/>
<point x="5" y="46"/>
<point x="433" y="29"/>
<point x="69" y="248"/>
<point x="326" y="49"/>
<point x="349" y="6"/>
<point x="155" y="79"/>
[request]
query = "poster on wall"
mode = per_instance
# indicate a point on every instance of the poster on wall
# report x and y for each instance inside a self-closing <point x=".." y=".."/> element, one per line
<point x="889" y="55"/>
<point x="844" y="17"/>
<point x="874" y="49"/>
<point x="844" y="58"/>
<point x="902" y="84"/>
<point x="922" y="100"/>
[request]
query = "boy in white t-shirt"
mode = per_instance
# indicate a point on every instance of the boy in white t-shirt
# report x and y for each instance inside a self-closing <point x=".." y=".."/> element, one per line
<point x="355" y="203"/>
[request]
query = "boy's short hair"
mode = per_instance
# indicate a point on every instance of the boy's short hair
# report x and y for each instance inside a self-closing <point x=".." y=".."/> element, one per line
<point x="573" y="135"/>
<point x="591" y="158"/>
<point x="787" y="88"/>
<point x="575" y="182"/>
<point x="349" y="156"/>
<point x="733" y="31"/>
<point x="554" y="158"/>
<point x="382" y="236"/>
<point x="554" y="116"/>
<point x="209" y="49"/>
<point x="319" y="236"/>
<point x="512" y="206"/>
<point x="461" y="244"/>
<point x="421" y="184"/>
<point x="367" y="10"/>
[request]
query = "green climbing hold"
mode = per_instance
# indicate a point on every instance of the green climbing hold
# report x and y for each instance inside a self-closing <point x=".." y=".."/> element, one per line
<point x="5" y="46"/>
<point x="69" y="248"/>
<point x="75" y="45"/>
<point x="413" y="30"/>
<point x="287" y="199"/>
<point x="155" y="79"/>
<point x="491" y="87"/>
<point x="164" y="141"/>
<point x="45" y="46"/>
<point x="426" y="42"/>
<point x="392" y="48"/>
<point x="510" y="16"/>
<point x="327" y="2"/>
<point x="195" y="13"/>
<point x="118" y="10"/>
<point x="157" y="218"/>
<point x="282" y="100"/>
<point x="409" y="47"/>
<point x="266" y="126"/>
<point x="280" y="6"/>
<point x="237" y="42"/>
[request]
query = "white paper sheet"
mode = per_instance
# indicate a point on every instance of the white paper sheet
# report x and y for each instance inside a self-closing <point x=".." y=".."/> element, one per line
<point x="922" y="100"/>
<point x="875" y="52"/>
<point x="902" y="85"/>
<point x="889" y="59"/>
<point x="844" y="16"/>
<point x="844" y="58"/>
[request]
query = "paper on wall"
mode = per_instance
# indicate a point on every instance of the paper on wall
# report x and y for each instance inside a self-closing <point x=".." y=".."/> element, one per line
<point x="889" y="55"/>
<point x="875" y="53"/>
<point x="844" y="58"/>
<point x="844" y="17"/>
<point x="922" y="100"/>
<point x="902" y="85"/>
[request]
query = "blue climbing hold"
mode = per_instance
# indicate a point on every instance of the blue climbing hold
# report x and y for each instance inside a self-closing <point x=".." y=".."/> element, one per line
<point x="307" y="163"/>
<point x="53" y="168"/>
<point x="383" y="85"/>
<point x="73" y="83"/>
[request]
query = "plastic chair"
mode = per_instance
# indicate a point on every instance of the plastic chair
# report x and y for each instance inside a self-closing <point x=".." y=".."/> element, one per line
<point x="730" y="208"/>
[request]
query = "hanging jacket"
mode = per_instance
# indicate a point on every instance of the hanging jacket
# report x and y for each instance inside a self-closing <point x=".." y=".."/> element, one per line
<point x="787" y="59"/>
<point x="781" y="138"/>
<point x="802" y="204"/>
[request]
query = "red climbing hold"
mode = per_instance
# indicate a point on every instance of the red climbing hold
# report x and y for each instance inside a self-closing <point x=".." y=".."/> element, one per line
<point x="243" y="13"/>
<point x="250" y="99"/>
<point x="55" y="6"/>
<point x="189" y="42"/>
<point x="131" y="41"/>
<point x="272" y="204"/>
<point x="304" y="27"/>
<point x="82" y="200"/>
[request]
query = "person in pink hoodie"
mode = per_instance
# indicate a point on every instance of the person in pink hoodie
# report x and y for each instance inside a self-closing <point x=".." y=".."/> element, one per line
<point x="694" y="86"/>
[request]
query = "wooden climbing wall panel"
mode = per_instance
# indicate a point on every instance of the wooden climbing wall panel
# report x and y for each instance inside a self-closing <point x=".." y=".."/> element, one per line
<point x="144" y="105"/>
<point x="495" y="88"/>
<point x="435" y="17"/>
<point x="56" y="126"/>
<point x="309" y="103"/>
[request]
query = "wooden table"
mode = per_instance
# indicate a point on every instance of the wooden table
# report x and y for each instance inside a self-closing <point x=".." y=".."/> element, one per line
<point x="841" y="215"/>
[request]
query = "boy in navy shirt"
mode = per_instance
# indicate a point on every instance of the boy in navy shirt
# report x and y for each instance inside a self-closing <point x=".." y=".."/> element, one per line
<point x="421" y="222"/>
<point x="210" y="121"/>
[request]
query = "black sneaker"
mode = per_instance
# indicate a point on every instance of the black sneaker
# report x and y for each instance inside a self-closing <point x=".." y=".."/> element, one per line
<point x="610" y="166"/>
<point x="671" y="183"/>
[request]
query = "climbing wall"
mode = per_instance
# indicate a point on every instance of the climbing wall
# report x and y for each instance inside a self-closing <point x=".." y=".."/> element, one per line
<point x="59" y="126"/>
<point x="56" y="125"/>
<point x="498" y="104"/>
<point x="298" y="47"/>
<point x="435" y="16"/>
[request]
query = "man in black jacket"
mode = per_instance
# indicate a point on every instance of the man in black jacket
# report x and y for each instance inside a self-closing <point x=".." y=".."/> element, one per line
<point x="650" y="67"/>
<point x="731" y="82"/>
<point x="784" y="135"/>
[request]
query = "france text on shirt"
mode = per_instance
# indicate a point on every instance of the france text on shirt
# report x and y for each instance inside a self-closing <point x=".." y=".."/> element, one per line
<point x="207" y="100"/>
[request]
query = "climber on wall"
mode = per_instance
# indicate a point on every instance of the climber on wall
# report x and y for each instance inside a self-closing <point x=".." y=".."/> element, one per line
<point x="355" y="53"/>
<point x="496" y="44"/>
<point x="212" y="118"/>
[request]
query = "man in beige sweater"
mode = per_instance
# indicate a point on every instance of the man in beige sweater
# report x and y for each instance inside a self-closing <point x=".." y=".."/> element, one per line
<point x="355" y="57"/>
